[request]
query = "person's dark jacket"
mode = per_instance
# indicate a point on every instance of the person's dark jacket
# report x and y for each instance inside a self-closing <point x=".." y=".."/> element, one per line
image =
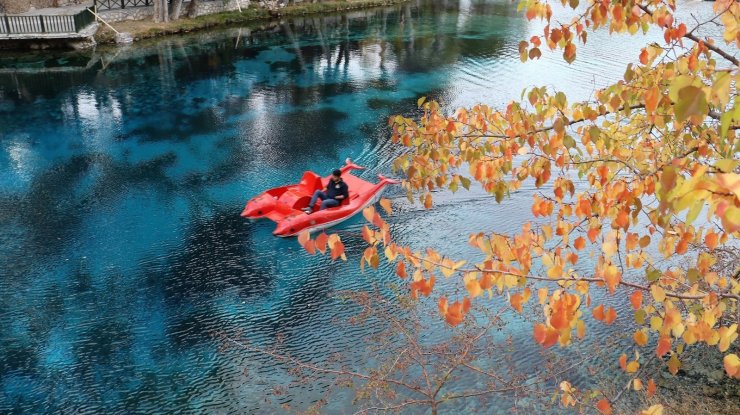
<point x="335" y="189"/>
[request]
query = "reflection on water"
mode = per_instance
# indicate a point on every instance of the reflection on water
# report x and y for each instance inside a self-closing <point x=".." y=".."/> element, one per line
<point x="122" y="177"/>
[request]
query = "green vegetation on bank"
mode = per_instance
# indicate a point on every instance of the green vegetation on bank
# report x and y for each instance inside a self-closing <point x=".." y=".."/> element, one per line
<point x="145" y="29"/>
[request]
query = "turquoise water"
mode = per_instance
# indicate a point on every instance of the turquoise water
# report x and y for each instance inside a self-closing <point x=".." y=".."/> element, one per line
<point x="122" y="174"/>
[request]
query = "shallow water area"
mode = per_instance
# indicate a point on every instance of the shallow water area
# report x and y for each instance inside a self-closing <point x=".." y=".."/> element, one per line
<point x="123" y="173"/>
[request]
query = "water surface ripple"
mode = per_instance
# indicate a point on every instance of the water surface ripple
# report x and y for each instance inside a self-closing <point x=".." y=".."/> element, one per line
<point x="122" y="174"/>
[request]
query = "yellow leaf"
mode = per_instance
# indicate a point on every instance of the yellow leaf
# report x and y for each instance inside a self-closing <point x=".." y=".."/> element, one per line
<point x="731" y="182"/>
<point x="732" y="365"/>
<point x="580" y="329"/>
<point x="653" y="410"/>
<point x="447" y="268"/>
<point x="542" y="295"/>
<point x="637" y="384"/>
<point x="420" y="101"/>
<point x="609" y="248"/>
<point x="674" y="364"/>
<point x="390" y="253"/>
<point x="547" y="232"/>
<point x="640" y="337"/>
<point x="632" y="366"/>
<point x="457" y="265"/>
<point x="727" y="165"/>
<point x="566" y="387"/>
<point x="727" y="335"/>
<point x="658" y="293"/>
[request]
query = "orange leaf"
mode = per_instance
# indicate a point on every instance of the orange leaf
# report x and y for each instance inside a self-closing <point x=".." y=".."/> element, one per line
<point x="401" y="269"/>
<point x="593" y="233"/>
<point x="598" y="312"/>
<point x="456" y="311"/>
<point x="473" y="286"/>
<point x="428" y="201"/>
<point x="386" y="205"/>
<point x="378" y="221"/>
<point x="579" y="243"/>
<point x="644" y="241"/>
<point x="516" y="302"/>
<point x="544" y="335"/>
<point x="442" y="305"/>
<point x="310" y="246"/>
<point x="623" y="219"/>
<point x="604" y="407"/>
<point x="632" y="239"/>
<point x="486" y="281"/>
<point x="623" y="361"/>
<point x="611" y="314"/>
<point x="422" y="286"/>
<point x="559" y="319"/>
<point x="636" y="299"/>
<point x="711" y="239"/>
<point x="337" y="250"/>
<point x="570" y="52"/>
<point x="682" y="246"/>
<point x="652" y="96"/>
<point x="303" y="237"/>
<point x="368" y="235"/>
<point x="664" y="346"/>
<point x="651" y="388"/>
<point x="612" y="277"/>
<point x="644" y="57"/>
<point x="321" y="242"/>
<point x="368" y="213"/>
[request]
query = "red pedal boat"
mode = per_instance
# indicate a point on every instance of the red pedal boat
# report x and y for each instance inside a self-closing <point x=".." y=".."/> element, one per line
<point x="283" y="204"/>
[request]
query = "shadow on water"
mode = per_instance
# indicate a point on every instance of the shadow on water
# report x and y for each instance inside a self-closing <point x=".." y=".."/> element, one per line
<point x="54" y="206"/>
<point x="213" y="260"/>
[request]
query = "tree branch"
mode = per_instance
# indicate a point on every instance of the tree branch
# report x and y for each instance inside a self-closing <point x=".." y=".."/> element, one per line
<point x="693" y="38"/>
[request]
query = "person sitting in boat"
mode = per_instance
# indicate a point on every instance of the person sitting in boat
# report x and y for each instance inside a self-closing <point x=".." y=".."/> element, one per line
<point x="336" y="191"/>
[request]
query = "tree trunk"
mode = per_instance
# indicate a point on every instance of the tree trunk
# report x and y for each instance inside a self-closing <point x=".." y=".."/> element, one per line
<point x="165" y="11"/>
<point x="157" y="17"/>
<point x="193" y="8"/>
<point x="160" y="11"/>
<point x="176" y="8"/>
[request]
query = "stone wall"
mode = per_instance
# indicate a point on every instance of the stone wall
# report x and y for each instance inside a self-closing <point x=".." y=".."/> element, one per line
<point x="20" y="6"/>
<point x="203" y="8"/>
<point x="129" y="13"/>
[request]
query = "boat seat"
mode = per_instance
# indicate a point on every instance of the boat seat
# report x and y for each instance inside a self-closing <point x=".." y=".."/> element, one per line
<point x="310" y="182"/>
<point x="352" y="196"/>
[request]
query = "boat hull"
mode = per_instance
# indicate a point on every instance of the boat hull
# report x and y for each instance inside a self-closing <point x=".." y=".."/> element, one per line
<point x="283" y="205"/>
<point x="321" y="226"/>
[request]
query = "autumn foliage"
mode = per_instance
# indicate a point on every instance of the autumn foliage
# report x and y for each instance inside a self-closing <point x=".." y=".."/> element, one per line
<point x="659" y="200"/>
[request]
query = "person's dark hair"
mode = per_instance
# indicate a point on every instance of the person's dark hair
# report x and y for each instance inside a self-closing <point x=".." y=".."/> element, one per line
<point x="337" y="173"/>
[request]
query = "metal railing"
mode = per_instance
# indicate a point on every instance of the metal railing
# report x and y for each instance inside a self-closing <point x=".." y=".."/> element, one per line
<point x="40" y="24"/>
<point x="120" y="4"/>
